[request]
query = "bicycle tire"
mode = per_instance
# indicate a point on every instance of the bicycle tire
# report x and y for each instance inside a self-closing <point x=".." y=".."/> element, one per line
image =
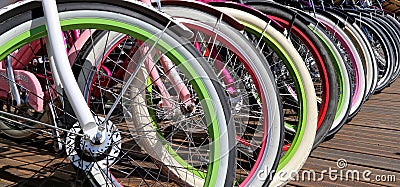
<point x="245" y="51"/>
<point x="301" y="146"/>
<point x="298" y="27"/>
<point x="357" y="66"/>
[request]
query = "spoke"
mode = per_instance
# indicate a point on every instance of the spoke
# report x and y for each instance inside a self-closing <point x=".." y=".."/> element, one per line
<point x="125" y="88"/>
<point x="34" y="121"/>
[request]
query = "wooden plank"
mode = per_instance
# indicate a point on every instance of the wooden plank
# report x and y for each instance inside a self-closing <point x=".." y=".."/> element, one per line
<point x="371" y="149"/>
<point x="368" y="140"/>
<point x="375" y="131"/>
<point x="376" y="123"/>
<point x="4" y="182"/>
<point x="318" y="165"/>
<point x="369" y="135"/>
<point x="365" y="160"/>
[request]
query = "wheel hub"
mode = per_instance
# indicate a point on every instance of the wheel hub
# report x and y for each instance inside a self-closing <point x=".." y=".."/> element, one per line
<point x="103" y="150"/>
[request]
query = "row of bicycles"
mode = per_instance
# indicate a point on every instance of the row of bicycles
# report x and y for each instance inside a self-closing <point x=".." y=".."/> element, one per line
<point x="186" y="93"/>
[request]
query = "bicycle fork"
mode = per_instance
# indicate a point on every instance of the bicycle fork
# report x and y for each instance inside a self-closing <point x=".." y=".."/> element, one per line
<point x="61" y="67"/>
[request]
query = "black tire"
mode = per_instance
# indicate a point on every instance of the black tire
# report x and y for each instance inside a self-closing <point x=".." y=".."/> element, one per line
<point x="382" y="37"/>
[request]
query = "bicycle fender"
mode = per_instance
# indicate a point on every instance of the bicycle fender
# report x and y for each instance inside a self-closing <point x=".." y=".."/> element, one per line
<point x="250" y="10"/>
<point x="132" y="5"/>
<point x="233" y="22"/>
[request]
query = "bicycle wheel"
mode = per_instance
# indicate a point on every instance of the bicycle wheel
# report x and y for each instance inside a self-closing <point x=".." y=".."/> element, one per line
<point x="338" y="56"/>
<point x="393" y="36"/>
<point x="166" y="104"/>
<point x="369" y="56"/>
<point x="304" y="115"/>
<point x="255" y="104"/>
<point x="396" y="26"/>
<point x="115" y="157"/>
<point x="354" y="63"/>
<point x="316" y="58"/>
<point x="344" y="85"/>
<point x="380" y="45"/>
<point x="363" y="47"/>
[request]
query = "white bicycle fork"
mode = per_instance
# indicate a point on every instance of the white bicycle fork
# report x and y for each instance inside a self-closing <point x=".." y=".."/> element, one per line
<point x="61" y="66"/>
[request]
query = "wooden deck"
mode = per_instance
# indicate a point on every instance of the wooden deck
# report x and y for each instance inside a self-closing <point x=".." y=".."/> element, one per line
<point x="370" y="143"/>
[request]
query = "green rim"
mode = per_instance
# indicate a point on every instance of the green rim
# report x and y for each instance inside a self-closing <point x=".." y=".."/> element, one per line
<point x="105" y="24"/>
<point x="275" y="45"/>
<point x="161" y="137"/>
<point x="339" y="72"/>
